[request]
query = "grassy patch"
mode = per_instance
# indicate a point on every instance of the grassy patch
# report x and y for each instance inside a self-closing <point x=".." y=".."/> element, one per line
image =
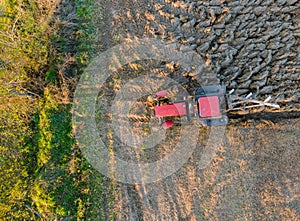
<point x="65" y="185"/>
<point x="44" y="48"/>
<point x="56" y="189"/>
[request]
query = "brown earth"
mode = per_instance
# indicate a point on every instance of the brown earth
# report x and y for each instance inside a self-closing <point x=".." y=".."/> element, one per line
<point x="251" y="46"/>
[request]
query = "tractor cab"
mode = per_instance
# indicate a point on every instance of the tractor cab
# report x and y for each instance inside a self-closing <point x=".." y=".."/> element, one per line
<point x="211" y="105"/>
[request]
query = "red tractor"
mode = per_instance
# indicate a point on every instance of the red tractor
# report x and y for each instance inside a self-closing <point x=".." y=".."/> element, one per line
<point x="209" y="105"/>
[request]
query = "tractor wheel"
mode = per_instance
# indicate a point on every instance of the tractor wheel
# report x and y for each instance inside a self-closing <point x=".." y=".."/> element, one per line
<point x="166" y="125"/>
<point x="160" y="94"/>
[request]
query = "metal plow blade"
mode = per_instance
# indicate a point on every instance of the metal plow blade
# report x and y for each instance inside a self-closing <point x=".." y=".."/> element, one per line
<point x="236" y="102"/>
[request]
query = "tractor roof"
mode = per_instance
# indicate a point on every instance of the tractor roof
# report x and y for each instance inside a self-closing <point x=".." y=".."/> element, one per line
<point x="209" y="106"/>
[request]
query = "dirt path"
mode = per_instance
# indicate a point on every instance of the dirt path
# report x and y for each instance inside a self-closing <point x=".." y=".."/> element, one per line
<point x="252" y="46"/>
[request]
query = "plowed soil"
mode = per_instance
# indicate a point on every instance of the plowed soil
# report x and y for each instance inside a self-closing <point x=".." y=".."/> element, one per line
<point x="252" y="46"/>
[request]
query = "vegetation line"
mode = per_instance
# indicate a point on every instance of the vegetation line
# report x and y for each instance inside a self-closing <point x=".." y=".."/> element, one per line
<point x="44" y="47"/>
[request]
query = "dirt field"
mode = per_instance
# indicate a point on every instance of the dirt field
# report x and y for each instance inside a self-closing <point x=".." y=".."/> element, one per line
<point x="251" y="46"/>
